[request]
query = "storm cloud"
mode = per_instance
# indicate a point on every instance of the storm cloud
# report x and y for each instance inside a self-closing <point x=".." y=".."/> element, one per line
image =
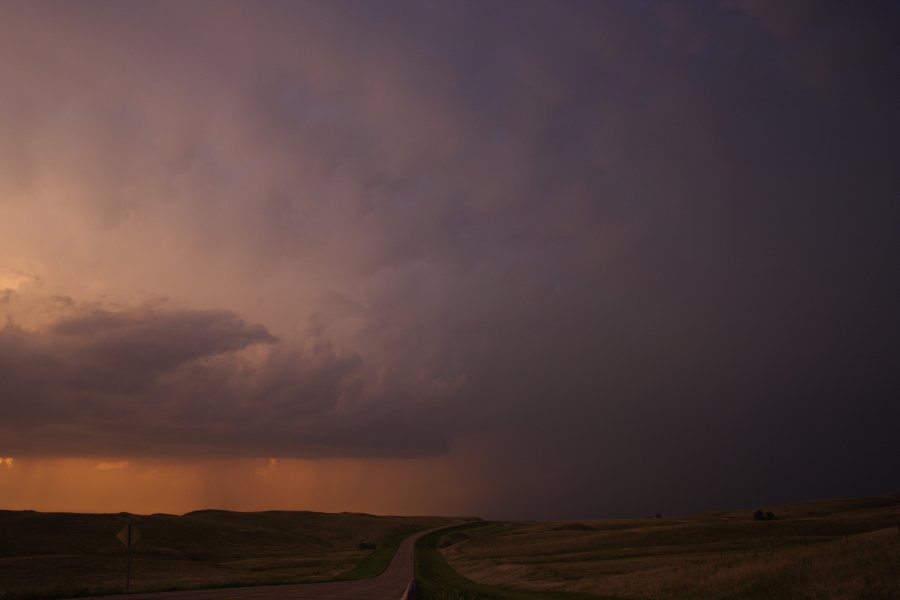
<point x="163" y="382"/>
<point x="648" y="247"/>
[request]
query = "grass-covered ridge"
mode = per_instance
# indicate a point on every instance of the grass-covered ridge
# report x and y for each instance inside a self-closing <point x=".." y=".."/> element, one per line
<point x="848" y="548"/>
<point x="46" y="555"/>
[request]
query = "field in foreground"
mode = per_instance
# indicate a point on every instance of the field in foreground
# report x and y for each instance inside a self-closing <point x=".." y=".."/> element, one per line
<point x="45" y="555"/>
<point x="836" y="549"/>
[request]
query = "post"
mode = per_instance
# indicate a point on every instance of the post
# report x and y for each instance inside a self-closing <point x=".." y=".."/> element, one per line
<point x="128" y="561"/>
<point x="128" y="535"/>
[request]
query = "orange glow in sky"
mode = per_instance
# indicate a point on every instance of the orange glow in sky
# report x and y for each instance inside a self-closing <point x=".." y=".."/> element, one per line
<point x="147" y="486"/>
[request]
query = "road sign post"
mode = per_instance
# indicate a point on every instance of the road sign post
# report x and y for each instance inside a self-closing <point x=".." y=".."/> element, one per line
<point x="129" y="535"/>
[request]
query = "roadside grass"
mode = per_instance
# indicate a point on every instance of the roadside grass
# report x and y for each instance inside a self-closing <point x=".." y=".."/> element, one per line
<point x="438" y="581"/>
<point x="379" y="559"/>
<point x="53" y="555"/>
<point x="834" y="549"/>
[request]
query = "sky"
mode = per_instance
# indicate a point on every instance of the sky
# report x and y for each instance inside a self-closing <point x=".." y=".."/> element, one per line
<point x="513" y="259"/>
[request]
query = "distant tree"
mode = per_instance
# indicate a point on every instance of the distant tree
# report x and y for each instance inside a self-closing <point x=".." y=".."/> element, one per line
<point x="759" y="515"/>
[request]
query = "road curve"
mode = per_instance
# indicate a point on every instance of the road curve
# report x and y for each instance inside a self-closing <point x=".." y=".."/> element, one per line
<point x="393" y="584"/>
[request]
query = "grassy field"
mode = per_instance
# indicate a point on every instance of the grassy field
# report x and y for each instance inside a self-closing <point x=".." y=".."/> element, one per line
<point x="438" y="581"/>
<point x="45" y="555"/>
<point x="837" y="549"/>
<point x="827" y="550"/>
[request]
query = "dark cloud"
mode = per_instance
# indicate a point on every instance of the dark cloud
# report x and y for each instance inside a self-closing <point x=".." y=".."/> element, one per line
<point x="139" y="345"/>
<point x="645" y="246"/>
<point x="163" y="382"/>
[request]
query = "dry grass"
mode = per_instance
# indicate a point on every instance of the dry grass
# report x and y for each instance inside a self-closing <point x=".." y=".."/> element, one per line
<point x="44" y="555"/>
<point x="832" y="550"/>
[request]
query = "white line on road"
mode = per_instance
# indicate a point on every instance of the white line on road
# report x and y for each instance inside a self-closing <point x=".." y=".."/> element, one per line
<point x="405" y="595"/>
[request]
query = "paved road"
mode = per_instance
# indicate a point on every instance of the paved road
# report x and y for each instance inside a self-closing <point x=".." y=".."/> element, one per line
<point x="390" y="585"/>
